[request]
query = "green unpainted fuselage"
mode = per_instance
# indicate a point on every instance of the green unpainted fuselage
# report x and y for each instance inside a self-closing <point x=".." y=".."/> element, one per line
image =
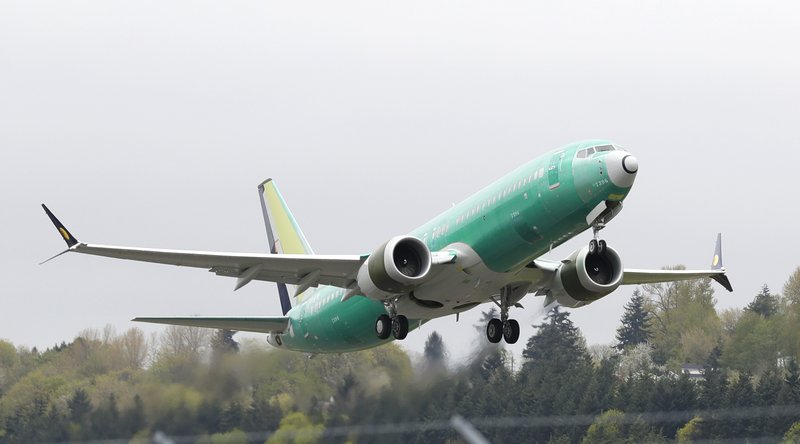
<point x="509" y="223"/>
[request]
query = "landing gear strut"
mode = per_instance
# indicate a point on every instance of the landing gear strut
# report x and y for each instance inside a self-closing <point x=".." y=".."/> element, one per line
<point x="503" y="328"/>
<point x="597" y="246"/>
<point x="396" y="325"/>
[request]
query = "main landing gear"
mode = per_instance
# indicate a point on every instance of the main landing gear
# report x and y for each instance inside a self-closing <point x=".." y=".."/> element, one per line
<point x="395" y="325"/>
<point x="503" y="328"/>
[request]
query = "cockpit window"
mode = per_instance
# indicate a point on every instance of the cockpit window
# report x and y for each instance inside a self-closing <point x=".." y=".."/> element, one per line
<point x="587" y="152"/>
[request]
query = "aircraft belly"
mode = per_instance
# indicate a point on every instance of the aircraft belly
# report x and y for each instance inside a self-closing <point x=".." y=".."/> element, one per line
<point x="467" y="283"/>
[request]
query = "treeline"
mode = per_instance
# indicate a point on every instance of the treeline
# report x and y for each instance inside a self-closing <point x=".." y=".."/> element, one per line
<point x="206" y="387"/>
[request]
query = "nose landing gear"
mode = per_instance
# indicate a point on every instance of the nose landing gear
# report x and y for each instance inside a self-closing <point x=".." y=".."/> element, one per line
<point x="596" y="246"/>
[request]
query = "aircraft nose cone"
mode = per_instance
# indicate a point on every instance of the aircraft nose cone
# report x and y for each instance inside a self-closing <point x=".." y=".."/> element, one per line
<point x="630" y="164"/>
<point x="622" y="168"/>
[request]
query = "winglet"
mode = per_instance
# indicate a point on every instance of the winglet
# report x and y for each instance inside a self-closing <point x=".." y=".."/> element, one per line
<point x="68" y="237"/>
<point x="716" y="264"/>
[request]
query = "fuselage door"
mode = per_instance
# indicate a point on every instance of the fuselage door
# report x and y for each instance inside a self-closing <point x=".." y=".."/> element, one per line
<point x="552" y="170"/>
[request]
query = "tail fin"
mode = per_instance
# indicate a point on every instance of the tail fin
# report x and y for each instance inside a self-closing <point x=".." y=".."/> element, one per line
<point x="283" y="232"/>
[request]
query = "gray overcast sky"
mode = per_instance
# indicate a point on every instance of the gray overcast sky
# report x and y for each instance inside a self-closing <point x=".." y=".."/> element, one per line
<point x="150" y="124"/>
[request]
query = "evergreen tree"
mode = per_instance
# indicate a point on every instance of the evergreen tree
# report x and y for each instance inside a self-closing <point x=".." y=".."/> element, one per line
<point x="635" y="327"/>
<point x="555" y="374"/>
<point x="105" y="420"/>
<point x="765" y="303"/>
<point x="435" y="353"/>
<point x="79" y="406"/>
<point x="133" y="419"/>
<point x="740" y="394"/>
<point x="222" y="342"/>
<point x="556" y="339"/>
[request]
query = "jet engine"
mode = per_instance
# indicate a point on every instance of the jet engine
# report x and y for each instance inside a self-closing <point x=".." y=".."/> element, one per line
<point x="585" y="277"/>
<point x="396" y="267"/>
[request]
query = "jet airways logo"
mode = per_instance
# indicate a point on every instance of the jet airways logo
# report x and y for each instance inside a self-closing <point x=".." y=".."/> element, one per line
<point x="64" y="233"/>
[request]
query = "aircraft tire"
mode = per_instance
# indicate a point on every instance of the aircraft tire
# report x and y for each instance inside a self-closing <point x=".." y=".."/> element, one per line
<point x="601" y="247"/>
<point x="593" y="245"/>
<point x="400" y="327"/>
<point x="494" y="331"/>
<point x="511" y="331"/>
<point x="383" y="326"/>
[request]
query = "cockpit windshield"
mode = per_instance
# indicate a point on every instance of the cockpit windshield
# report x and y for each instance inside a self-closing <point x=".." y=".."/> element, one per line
<point x="587" y="152"/>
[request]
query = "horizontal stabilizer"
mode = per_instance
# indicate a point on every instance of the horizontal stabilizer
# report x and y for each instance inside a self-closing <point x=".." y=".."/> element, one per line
<point x="273" y="324"/>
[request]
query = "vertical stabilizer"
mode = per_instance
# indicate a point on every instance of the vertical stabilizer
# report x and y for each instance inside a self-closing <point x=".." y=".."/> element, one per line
<point x="283" y="232"/>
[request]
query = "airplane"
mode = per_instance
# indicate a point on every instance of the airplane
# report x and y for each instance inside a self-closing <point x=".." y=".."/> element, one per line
<point x="486" y="249"/>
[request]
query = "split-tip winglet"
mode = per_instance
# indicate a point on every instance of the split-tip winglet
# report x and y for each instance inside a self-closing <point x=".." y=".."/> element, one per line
<point x="716" y="264"/>
<point x="62" y="230"/>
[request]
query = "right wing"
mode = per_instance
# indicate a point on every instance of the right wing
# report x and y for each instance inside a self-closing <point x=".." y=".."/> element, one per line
<point x="298" y="269"/>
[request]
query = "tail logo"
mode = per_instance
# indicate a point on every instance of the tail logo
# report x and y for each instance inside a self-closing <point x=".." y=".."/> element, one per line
<point x="716" y="260"/>
<point x="64" y="233"/>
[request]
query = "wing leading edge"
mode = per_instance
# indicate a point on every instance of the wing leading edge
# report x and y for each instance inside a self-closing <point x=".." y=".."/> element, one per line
<point x="337" y="270"/>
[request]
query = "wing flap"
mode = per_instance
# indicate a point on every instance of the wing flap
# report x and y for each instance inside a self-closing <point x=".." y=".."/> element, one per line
<point x="274" y="324"/>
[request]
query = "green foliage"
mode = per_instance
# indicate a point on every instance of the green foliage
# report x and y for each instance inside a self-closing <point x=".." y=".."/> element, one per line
<point x="612" y="427"/>
<point x="764" y="304"/>
<point x="791" y="289"/>
<point x="685" y="324"/>
<point x="792" y="436"/>
<point x="691" y="431"/>
<point x="296" y="428"/>
<point x="753" y="346"/>
<point x="103" y="387"/>
<point x="607" y="428"/>
<point x="235" y="436"/>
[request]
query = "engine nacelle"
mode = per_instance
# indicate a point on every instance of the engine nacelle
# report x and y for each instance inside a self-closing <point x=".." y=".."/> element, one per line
<point x="396" y="267"/>
<point x="584" y="278"/>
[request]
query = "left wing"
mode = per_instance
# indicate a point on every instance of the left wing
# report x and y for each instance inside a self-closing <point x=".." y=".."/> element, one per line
<point x="298" y="269"/>
<point x="276" y="324"/>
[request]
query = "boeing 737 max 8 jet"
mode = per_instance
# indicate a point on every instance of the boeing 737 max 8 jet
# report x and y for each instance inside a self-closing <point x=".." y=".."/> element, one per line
<point x="487" y="248"/>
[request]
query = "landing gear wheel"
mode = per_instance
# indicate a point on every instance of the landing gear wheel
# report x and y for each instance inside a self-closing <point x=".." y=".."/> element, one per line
<point x="601" y="247"/>
<point x="511" y="331"/>
<point x="494" y="331"/>
<point x="383" y="326"/>
<point x="593" y="246"/>
<point x="400" y="327"/>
